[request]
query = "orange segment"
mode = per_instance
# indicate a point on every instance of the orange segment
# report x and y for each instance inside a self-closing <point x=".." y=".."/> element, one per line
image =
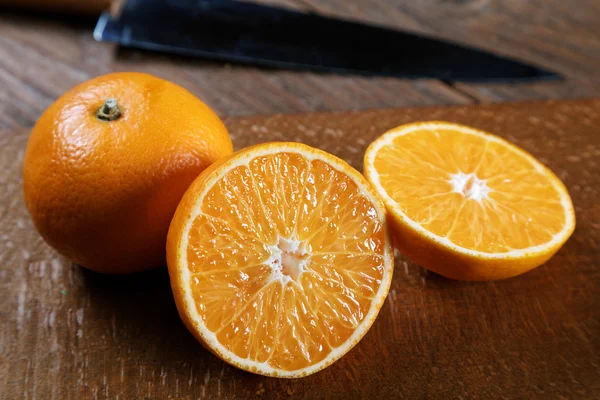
<point x="220" y="295"/>
<point x="280" y="259"/>
<point x="236" y="200"/>
<point x="459" y="197"/>
<point x="223" y="246"/>
<point x="280" y="183"/>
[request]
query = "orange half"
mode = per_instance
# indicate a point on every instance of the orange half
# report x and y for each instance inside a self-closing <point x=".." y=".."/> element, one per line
<point x="280" y="259"/>
<point x="467" y="204"/>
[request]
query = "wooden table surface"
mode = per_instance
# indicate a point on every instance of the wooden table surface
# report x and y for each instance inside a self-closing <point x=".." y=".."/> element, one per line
<point x="70" y="334"/>
<point x="42" y="56"/>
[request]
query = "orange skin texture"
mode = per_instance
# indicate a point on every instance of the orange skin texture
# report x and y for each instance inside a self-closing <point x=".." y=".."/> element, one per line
<point x="103" y="192"/>
<point x="452" y="264"/>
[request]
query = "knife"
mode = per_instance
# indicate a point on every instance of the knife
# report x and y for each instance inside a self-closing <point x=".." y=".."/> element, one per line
<point x="250" y="33"/>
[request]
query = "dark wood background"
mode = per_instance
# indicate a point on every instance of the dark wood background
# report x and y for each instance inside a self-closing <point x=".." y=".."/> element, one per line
<point x="67" y="333"/>
<point x="42" y="56"/>
<point x="71" y="334"/>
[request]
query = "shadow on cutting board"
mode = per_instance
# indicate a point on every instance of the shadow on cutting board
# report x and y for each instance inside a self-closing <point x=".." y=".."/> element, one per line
<point x="132" y="320"/>
<point x="140" y="313"/>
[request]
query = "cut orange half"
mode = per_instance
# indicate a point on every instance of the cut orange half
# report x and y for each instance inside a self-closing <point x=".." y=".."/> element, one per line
<point x="279" y="259"/>
<point x="467" y="204"/>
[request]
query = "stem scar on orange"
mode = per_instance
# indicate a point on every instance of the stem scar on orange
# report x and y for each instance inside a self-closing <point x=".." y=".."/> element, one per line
<point x="108" y="162"/>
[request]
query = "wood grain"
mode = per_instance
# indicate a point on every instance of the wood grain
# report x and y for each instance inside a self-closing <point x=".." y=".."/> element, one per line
<point x="552" y="34"/>
<point x="68" y="333"/>
<point x="40" y="59"/>
<point x="42" y="56"/>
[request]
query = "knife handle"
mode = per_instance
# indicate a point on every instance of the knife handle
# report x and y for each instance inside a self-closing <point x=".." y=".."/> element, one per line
<point x="70" y="6"/>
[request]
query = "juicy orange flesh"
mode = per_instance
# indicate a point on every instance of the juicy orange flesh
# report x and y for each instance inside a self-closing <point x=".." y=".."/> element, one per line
<point x="287" y="323"/>
<point x="503" y="203"/>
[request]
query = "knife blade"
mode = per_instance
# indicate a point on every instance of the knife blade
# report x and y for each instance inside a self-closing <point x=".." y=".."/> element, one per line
<point x="250" y="33"/>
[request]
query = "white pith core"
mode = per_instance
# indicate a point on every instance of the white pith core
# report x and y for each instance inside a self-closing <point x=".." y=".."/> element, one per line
<point x="470" y="186"/>
<point x="288" y="259"/>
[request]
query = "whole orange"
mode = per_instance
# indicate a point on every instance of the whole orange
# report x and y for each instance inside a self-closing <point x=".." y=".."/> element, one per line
<point x="108" y="162"/>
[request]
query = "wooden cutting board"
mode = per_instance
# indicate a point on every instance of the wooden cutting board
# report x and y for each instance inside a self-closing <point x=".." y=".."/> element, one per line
<point x="68" y="333"/>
